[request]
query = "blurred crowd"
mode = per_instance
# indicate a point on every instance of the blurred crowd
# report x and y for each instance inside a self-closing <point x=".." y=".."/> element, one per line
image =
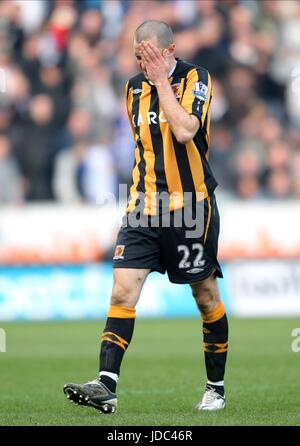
<point x="64" y="132"/>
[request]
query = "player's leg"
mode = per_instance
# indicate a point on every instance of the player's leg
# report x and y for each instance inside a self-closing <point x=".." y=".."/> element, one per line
<point x="136" y="254"/>
<point x="215" y="338"/>
<point x="101" y="392"/>
<point x="191" y="257"/>
<point x="119" y="326"/>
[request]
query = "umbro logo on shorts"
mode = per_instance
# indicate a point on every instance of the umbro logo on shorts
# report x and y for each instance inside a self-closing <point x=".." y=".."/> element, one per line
<point x="195" y="270"/>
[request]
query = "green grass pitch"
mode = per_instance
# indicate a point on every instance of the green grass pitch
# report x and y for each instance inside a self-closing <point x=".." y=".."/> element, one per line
<point x="162" y="375"/>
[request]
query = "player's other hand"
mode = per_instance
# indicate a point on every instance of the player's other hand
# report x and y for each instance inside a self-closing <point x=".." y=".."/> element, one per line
<point x="154" y="63"/>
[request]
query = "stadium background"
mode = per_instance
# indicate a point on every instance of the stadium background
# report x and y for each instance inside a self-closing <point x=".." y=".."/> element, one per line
<point x="65" y="142"/>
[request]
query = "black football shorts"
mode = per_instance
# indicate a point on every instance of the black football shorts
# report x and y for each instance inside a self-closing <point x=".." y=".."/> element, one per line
<point x="185" y="247"/>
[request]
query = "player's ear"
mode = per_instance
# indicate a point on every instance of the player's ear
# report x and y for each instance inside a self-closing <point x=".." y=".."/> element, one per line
<point x="168" y="52"/>
<point x="171" y="50"/>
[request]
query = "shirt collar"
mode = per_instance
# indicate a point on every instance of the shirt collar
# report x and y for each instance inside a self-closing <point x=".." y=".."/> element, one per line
<point x="173" y="69"/>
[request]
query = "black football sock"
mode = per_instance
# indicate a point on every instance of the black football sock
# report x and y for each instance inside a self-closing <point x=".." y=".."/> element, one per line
<point x="115" y="340"/>
<point x="215" y="337"/>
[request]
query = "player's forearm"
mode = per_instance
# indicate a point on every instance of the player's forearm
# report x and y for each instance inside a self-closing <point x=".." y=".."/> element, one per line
<point x="182" y="124"/>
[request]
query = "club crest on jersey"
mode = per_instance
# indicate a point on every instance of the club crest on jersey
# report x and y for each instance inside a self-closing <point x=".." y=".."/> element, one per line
<point x="175" y="88"/>
<point x="119" y="252"/>
<point x="200" y="91"/>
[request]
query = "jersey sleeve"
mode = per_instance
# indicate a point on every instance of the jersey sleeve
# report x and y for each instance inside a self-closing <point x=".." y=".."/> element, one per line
<point x="196" y="99"/>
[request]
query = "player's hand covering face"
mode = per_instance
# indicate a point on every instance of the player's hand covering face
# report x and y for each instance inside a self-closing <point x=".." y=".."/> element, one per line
<point x="154" y="63"/>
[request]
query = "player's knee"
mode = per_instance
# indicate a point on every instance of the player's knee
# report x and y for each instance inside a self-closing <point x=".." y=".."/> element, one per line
<point x="203" y="292"/>
<point x="206" y="303"/>
<point x="206" y="295"/>
<point x="122" y="294"/>
<point x="206" y="306"/>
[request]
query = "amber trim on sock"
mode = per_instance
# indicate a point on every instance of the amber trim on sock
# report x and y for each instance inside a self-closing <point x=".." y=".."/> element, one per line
<point x="121" y="312"/>
<point x="214" y="315"/>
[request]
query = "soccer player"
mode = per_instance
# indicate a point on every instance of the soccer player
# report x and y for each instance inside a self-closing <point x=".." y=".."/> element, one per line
<point x="168" y="105"/>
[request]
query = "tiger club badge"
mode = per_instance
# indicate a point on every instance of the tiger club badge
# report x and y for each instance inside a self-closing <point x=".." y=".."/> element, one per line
<point x="119" y="252"/>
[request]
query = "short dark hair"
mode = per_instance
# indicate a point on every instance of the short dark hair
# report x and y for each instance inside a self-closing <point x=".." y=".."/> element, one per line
<point x="155" y="28"/>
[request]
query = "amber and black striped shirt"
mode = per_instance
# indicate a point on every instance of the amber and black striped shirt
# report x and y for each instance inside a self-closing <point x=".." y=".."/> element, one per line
<point x="162" y="164"/>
